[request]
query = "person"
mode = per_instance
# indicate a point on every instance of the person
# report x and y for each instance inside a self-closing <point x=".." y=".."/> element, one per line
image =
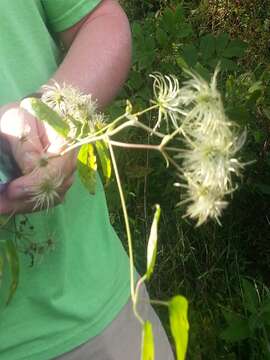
<point x="75" y="303"/>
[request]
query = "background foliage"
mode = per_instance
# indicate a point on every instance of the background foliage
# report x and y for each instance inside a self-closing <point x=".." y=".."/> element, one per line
<point x="223" y="271"/>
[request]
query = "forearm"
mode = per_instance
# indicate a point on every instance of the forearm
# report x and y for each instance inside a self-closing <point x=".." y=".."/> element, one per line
<point x="99" y="56"/>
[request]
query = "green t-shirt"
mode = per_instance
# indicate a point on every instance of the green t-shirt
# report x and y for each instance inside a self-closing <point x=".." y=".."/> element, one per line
<point x="72" y="292"/>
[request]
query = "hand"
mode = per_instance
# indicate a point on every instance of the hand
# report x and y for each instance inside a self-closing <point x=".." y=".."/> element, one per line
<point x="44" y="183"/>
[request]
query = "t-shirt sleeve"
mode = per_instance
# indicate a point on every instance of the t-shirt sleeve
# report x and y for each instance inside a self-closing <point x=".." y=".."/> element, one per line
<point x="62" y="14"/>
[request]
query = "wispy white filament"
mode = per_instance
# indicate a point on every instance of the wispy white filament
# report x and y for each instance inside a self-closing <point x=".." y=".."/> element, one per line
<point x="209" y="158"/>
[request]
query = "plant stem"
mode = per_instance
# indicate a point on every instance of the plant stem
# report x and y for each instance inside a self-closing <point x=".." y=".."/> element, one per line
<point x="135" y="146"/>
<point x="159" y="302"/>
<point x="124" y="208"/>
<point x="135" y="303"/>
<point x="174" y="163"/>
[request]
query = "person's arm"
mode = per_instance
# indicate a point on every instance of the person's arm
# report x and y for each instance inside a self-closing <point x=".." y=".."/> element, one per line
<point x="97" y="62"/>
<point x="99" y="53"/>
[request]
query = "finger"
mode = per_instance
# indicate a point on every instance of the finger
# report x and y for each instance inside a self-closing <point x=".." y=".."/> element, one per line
<point x="50" y="139"/>
<point x="43" y="182"/>
<point x="21" y="131"/>
<point x="6" y="205"/>
<point x="56" y="177"/>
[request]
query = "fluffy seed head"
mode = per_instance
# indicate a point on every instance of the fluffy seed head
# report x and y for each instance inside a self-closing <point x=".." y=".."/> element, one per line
<point x="44" y="194"/>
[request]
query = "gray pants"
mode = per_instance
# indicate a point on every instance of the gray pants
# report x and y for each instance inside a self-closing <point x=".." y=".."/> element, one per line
<point x="121" y="340"/>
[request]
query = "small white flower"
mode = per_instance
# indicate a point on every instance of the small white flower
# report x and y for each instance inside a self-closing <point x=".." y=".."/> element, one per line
<point x="166" y="94"/>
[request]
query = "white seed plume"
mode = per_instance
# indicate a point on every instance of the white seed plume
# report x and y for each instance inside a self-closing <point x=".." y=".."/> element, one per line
<point x="166" y="96"/>
<point x="78" y="109"/>
<point x="45" y="193"/>
<point x="209" y="158"/>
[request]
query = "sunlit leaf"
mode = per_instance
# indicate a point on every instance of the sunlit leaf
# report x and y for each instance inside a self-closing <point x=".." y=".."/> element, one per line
<point x="44" y="113"/>
<point x="13" y="261"/>
<point x="152" y="244"/>
<point x="129" y="107"/>
<point x="148" y="351"/>
<point x="178" y="309"/>
<point x="105" y="160"/>
<point x="87" y="167"/>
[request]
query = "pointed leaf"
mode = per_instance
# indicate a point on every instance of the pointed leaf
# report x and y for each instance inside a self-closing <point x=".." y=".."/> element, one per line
<point x="148" y="351"/>
<point x="13" y="261"/>
<point x="105" y="160"/>
<point x="152" y="244"/>
<point x="44" y="113"/>
<point x="87" y="167"/>
<point x="178" y="309"/>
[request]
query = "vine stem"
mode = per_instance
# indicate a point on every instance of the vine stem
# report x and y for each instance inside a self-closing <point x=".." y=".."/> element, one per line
<point x="135" y="146"/>
<point x="124" y="208"/>
<point x="159" y="302"/>
<point x="135" y="303"/>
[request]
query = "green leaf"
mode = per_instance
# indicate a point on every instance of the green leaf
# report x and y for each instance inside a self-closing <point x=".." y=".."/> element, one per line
<point x="227" y="65"/>
<point x="45" y="114"/>
<point x="236" y="48"/>
<point x="168" y="21"/>
<point x="87" y="167"/>
<point x="152" y="244"/>
<point x="237" y="330"/>
<point x="201" y="70"/>
<point x="221" y="43"/>
<point x="181" y="63"/>
<point x="162" y="37"/>
<point x="251" y="300"/>
<point x="184" y="30"/>
<point x="190" y="55"/>
<point x="13" y="261"/>
<point x="148" y="351"/>
<point x="105" y="160"/>
<point x="178" y="309"/>
<point x="207" y="46"/>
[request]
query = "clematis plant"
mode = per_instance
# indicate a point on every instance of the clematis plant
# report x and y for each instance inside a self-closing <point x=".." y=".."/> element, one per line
<point x="199" y="143"/>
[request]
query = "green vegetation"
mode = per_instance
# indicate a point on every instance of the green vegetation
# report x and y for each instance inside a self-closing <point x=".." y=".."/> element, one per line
<point x="222" y="270"/>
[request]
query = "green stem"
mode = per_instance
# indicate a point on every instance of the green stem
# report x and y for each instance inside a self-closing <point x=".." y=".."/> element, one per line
<point x="170" y="160"/>
<point x="135" y="303"/>
<point x="135" y="146"/>
<point x="123" y="116"/>
<point x="124" y="208"/>
<point x="159" y="302"/>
